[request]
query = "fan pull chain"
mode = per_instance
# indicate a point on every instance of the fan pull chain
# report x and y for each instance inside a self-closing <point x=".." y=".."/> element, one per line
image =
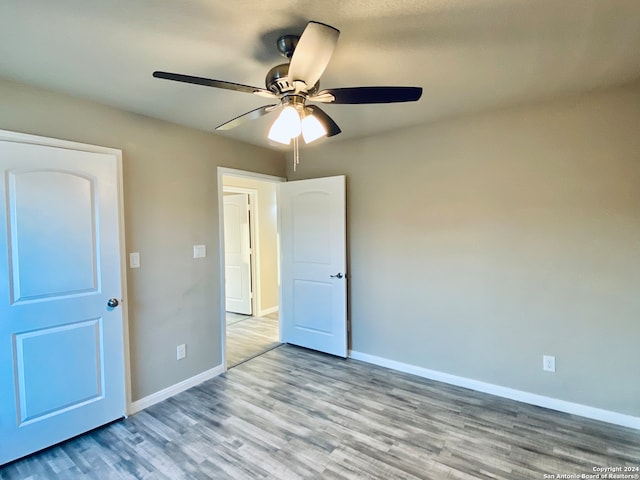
<point x="296" y="153"/>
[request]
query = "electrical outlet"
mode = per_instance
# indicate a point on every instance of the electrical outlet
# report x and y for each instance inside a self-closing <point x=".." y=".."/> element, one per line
<point x="181" y="351"/>
<point x="549" y="363"/>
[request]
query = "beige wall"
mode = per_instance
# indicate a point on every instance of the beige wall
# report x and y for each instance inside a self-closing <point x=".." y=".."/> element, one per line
<point x="171" y="203"/>
<point x="477" y="245"/>
<point x="267" y="232"/>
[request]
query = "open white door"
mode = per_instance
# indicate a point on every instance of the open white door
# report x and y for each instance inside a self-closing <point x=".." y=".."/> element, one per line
<point x="313" y="310"/>
<point x="237" y="253"/>
<point x="61" y="344"/>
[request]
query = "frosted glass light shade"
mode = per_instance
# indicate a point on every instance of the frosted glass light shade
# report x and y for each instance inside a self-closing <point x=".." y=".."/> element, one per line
<point x="286" y="126"/>
<point x="312" y="129"/>
<point x="278" y="135"/>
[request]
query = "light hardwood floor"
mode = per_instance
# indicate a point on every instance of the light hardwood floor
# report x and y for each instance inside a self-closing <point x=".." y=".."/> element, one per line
<point x="293" y="413"/>
<point x="249" y="336"/>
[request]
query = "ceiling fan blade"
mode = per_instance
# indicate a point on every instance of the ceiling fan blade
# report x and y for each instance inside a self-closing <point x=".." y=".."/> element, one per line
<point x="245" y="117"/>
<point x="208" y="82"/>
<point x="328" y="123"/>
<point x="373" y="94"/>
<point x="313" y="52"/>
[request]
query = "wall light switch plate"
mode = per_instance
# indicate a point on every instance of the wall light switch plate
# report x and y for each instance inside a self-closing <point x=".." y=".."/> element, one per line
<point x="199" y="251"/>
<point x="134" y="260"/>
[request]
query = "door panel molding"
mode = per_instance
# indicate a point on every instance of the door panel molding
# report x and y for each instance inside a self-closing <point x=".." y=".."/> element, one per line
<point x="35" y="251"/>
<point x="86" y="368"/>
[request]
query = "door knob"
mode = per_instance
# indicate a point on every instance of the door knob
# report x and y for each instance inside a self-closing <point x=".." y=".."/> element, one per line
<point x="339" y="275"/>
<point x="113" y="302"/>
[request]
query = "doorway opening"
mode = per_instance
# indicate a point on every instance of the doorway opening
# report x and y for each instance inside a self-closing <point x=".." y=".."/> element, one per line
<point x="251" y="286"/>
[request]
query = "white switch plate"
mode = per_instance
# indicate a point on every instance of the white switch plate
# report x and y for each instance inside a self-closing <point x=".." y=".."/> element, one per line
<point x="134" y="260"/>
<point x="199" y="251"/>
<point x="181" y="351"/>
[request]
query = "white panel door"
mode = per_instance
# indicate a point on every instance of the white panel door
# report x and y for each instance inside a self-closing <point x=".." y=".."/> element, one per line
<point x="313" y="310"/>
<point x="61" y="346"/>
<point x="237" y="254"/>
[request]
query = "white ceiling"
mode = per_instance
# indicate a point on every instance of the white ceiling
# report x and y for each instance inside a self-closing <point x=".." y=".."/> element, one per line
<point x="468" y="55"/>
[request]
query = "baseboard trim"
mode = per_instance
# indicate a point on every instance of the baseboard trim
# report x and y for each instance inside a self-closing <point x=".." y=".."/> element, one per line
<point x="268" y="311"/>
<point x="510" y="393"/>
<point x="168" y="392"/>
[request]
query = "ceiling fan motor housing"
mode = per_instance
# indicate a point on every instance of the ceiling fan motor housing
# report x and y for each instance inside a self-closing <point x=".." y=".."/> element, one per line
<point x="277" y="80"/>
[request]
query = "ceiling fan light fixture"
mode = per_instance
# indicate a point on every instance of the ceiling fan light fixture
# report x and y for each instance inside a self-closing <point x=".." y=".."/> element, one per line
<point x="297" y="83"/>
<point x="286" y="126"/>
<point x="312" y="129"/>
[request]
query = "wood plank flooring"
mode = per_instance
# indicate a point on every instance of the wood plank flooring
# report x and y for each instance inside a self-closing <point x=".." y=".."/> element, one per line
<point x="293" y="413"/>
<point x="249" y="336"/>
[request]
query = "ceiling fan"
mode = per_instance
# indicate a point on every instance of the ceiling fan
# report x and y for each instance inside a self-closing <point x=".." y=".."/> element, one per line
<point x="296" y="85"/>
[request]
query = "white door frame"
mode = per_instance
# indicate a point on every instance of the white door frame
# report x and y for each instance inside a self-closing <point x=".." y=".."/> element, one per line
<point x="9" y="136"/>
<point x="232" y="172"/>
<point x="255" y="253"/>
